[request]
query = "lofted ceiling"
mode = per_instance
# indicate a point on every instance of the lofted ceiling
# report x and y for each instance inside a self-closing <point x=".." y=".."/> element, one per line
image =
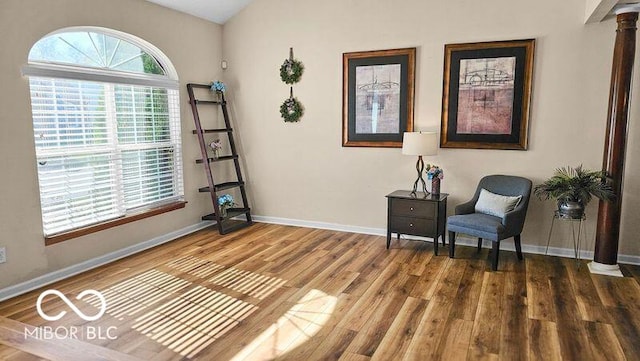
<point x="217" y="11"/>
<point x="598" y="10"/>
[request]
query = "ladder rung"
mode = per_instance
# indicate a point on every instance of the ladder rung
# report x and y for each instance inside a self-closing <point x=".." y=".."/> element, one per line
<point x="221" y="130"/>
<point x="219" y="159"/>
<point x="222" y="186"/>
<point x="203" y="86"/>
<point x="231" y="213"/>
<point x="207" y="101"/>
<point x="235" y="227"/>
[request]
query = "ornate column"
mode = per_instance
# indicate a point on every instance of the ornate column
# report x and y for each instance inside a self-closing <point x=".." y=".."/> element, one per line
<point x="608" y="227"/>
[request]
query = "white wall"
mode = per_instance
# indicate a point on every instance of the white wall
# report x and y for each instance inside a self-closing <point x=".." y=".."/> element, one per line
<point x="194" y="47"/>
<point x="300" y="171"/>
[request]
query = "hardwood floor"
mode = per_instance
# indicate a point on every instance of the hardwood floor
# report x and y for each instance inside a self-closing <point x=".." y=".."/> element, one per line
<point x="287" y="293"/>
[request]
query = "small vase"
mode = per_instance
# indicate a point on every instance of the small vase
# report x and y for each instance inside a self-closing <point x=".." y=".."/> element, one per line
<point x="215" y="154"/>
<point x="223" y="211"/>
<point x="435" y="186"/>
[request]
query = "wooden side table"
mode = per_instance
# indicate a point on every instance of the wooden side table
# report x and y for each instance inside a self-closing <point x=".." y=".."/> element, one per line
<point x="417" y="215"/>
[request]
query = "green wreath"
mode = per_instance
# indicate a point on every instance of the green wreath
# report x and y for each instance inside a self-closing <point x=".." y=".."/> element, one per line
<point x="291" y="71"/>
<point x="291" y="110"/>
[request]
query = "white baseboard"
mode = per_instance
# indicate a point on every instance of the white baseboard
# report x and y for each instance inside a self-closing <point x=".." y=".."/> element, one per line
<point x="319" y="225"/>
<point x="461" y="240"/>
<point x="46" y="279"/>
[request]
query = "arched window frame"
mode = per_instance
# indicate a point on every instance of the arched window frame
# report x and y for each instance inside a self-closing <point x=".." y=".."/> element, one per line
<point x="169" y="81"/>
<point x="58" y="70"/>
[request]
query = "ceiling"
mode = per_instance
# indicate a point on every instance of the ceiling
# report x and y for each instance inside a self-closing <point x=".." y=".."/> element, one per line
<point x="217" y="11"/>
<point x="599" y="10"/>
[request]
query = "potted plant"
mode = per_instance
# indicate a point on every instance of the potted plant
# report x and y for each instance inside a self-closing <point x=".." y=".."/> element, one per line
<point x="218" y="87"/>
<point x="225" y="202"/>
<point x="435" y="174"/>
<point x="573" y="189"/>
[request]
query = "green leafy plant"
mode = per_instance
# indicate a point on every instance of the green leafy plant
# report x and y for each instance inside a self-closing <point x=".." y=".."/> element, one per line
<point x="291" y="71"/>
<point x="291" y="110"/>
<point x="575" y="185"/>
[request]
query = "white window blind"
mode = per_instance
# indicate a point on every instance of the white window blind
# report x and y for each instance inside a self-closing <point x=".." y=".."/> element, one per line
<point x="104" y="150"/>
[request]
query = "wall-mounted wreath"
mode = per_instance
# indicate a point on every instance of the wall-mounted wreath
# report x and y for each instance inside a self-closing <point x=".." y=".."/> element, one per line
<point x="291" y="70"/>
<point x="291" y="110"/>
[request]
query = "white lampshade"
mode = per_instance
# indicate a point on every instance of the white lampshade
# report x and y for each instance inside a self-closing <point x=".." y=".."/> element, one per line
<point x="420" y="143"/>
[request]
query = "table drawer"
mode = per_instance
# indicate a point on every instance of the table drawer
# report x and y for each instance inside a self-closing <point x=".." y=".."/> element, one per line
<point x="413" y="208"/>
<point x="412" y="225"/>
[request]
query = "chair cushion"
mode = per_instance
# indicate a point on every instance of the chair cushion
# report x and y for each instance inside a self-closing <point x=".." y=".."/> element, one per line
<point x="495" y="204"/>
<point x="484" y="223"/>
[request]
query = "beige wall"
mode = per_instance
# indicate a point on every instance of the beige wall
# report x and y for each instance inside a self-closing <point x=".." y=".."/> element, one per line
<point x="194" y="47"/>
<point x="300" y="171"/>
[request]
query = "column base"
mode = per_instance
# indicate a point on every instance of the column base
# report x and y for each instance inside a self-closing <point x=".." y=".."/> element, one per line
<point x="605" y="269"/>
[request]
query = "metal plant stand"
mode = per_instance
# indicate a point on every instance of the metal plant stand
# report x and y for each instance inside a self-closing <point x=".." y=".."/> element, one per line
<point x="576" y="235"/>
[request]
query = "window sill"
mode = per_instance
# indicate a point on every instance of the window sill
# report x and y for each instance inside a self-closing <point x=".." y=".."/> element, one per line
<point x="60" y="237"/>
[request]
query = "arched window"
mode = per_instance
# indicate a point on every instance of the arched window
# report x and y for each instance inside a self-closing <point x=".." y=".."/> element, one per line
<point x="106" y="123"/>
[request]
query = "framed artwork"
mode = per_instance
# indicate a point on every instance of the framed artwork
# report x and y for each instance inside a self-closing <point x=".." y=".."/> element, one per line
<point x="377" y="97"/>
<point x="486" y="95"/>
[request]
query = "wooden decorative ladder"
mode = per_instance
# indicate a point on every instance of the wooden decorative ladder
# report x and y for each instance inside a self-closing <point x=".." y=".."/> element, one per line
<point x="225" y="223"/>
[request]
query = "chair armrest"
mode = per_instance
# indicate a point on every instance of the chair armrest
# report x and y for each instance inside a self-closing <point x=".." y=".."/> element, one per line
<point x="466" y="208"/>
<point x="513" y="221"/>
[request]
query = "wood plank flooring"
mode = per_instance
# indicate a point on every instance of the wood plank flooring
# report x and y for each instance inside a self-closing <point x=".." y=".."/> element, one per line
<point x="272" y="292"/>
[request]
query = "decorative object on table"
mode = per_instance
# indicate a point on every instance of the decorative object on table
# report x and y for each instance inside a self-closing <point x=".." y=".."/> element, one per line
<point x="486" y="94"/>
<point x="573" y="188"/>
<point x="225" y="202"/>
<point x="219" y="88"/>
<point x="435" y="174"/>
<point x="291" y="70"/>
<point x="420" y="143"/>
<point x="216" y="147"/>
<point x="291" y="110"/>
<point x="378" y="97"/>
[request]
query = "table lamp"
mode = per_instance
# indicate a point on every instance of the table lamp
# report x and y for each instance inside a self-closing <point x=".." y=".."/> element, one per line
<point x="420" y="143"/>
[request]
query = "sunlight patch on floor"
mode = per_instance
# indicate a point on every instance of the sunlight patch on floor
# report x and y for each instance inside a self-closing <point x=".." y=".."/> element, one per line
<point x="294" y="328"/>
<point x="248" y="283"/>
<point x="186" y="317"/>
<point x="195" y="266"/>
<point x="140" y="292"/>
<point x="194" y="320"/>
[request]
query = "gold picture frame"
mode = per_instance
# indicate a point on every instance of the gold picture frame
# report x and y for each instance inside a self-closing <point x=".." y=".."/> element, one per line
<point x="487" y="95"/>
<point x="378" y="97"/>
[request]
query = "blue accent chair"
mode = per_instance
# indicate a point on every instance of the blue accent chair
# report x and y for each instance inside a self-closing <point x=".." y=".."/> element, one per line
<point x="489" y="227"/>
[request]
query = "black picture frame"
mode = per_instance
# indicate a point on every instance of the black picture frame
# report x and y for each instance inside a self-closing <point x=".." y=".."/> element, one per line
<point x="487" y="95"/>
<point x="395" y="91"/>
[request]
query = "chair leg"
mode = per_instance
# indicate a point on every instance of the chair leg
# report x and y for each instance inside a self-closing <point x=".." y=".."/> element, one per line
<point x="494" y="256"/>
<point x="516" y="240"/>
<point x="452" y="244"/>
<point x="479" y="244"/>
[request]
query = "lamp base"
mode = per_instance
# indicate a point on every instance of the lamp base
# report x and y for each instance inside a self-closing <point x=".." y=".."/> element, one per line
<point x="420" y="169"/>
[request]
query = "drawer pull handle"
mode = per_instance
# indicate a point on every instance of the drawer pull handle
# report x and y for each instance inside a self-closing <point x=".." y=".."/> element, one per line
<point x="411" y="208"/>
<point x="410" y="224"/>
